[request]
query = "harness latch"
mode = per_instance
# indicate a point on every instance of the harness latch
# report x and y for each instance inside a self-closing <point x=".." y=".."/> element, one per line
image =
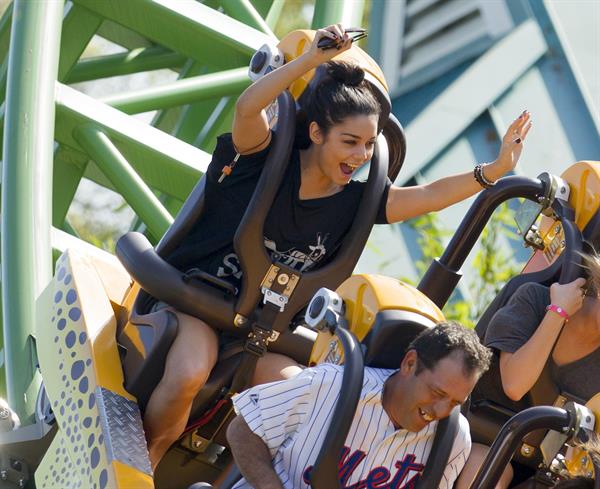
<point x="258" y="339"/>
<point x="278" y="285"/>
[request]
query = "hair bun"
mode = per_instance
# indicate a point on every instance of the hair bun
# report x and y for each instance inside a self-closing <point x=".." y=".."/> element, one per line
<point x="347" y="73"/>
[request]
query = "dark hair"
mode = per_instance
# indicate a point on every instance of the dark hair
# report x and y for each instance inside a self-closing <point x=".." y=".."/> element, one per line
<point x="340" y="92"/>
<point x="447" y="337"/>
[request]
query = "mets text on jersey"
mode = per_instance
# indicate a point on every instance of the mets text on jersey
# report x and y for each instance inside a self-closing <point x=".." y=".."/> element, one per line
<point x="407" y="473"/>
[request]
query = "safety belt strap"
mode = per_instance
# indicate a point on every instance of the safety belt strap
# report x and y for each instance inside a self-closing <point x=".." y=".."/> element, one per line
<point x="254" y="347"/>
<point x="440" y="451"/>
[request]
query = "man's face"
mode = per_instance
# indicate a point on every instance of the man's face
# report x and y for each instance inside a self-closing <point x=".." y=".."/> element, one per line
<point x="416" y="400"/>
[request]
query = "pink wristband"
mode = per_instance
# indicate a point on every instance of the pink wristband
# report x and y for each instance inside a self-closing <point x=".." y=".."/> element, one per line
<point x="558" y="310"/>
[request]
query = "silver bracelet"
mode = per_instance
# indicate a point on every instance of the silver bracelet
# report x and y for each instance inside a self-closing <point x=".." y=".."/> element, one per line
<point x="480" y="177"/>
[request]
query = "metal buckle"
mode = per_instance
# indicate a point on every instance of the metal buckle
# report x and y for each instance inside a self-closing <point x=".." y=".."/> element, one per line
<point x="258" y="339"/>
<point x="274" y="298"/>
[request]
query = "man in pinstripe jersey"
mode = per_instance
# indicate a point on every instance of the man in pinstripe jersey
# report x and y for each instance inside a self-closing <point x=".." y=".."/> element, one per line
<point x="280" y="426"/>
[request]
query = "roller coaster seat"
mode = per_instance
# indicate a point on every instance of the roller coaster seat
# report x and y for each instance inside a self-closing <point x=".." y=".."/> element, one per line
<point x="147" y="337"/>
<point x="384" y="314"/>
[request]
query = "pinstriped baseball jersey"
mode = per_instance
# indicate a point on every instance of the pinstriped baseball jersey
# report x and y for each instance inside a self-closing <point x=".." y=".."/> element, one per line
<point x="291" y="417"/>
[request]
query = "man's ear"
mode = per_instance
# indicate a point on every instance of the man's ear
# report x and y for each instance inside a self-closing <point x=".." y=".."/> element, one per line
<point x="409" y="363"/>
<point x="315" y="133"/>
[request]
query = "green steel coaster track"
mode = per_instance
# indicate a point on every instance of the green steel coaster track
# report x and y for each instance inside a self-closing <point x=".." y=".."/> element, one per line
<point x="54" y="135"/>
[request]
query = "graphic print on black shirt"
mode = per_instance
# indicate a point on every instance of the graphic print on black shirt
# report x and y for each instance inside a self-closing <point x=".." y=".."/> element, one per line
<point x="292" y="257"/>
<point x="299" y="233"/>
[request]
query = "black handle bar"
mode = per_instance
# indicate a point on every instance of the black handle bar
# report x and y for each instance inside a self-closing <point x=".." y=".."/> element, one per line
<point x="444" y="273"/>
<point x="324" y="474"/>
<point x="510" y="436"/>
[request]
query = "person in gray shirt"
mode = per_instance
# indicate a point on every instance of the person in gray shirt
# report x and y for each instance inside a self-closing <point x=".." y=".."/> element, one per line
<point x="560" y="323"/>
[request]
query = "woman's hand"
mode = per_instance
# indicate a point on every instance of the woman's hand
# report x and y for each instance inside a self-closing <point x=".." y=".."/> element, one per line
<point x="335" y="32"/>
<point x="512" y="146"/>
<point x="568" y="296"/>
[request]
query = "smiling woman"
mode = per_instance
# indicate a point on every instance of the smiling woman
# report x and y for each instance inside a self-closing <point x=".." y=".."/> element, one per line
<point x="314" y="208"/>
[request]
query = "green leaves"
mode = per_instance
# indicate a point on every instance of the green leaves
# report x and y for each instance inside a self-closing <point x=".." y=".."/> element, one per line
<point x="492" y="264"/>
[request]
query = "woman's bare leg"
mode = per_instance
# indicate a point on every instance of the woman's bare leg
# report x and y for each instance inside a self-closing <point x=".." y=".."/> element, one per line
<point x="189" y="363"/>
<point x="469" y="471"/>
<point x="274" y="366"/>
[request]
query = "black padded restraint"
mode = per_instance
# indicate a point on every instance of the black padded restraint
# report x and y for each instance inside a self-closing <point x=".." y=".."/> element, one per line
<point x="440" y="451"/>
<point x="250" y="356"/>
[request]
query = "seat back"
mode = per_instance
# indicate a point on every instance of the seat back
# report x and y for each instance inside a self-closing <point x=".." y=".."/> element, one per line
<point x="189" y="214"/>
<point x="388" y="339"/>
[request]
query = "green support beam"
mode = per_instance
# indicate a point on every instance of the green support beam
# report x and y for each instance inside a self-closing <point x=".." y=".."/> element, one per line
<point x="79" y="26"/>
<point x="220" y="121"/>
<point x="169" y="120"/>
<point x="5" y="24"/>
<point x="121" y="36"/>
<point x="165" y="163"/>
<point x="331" y="12"/>
<point x="244" y="11"/>
<point x="125" y="179"/>
<point x="181" y="92"/>
<point x="69" y="167"/>
<point x="198" y="31"/>
<point x="135" y="61"/>
<point x="27" y="185"/>
<point x="274" y="13"/>
<point x="262" y="6"/>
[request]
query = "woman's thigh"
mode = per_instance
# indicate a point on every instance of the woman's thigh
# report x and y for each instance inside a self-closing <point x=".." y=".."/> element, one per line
<point x="273" y="367"/>
<point x="475" y="460"/>
<point x="193" y="353"/>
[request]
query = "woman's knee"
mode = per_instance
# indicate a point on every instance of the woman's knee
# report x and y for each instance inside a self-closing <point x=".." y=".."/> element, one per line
<point x="192" y="355"/>
<point x="474" y="462"/>
<point x="273" y="367"/>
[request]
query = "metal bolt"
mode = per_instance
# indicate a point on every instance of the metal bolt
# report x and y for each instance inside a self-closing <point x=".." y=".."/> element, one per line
<point x="283" y="279"/>
<point x="21" y="482"/>
<point x="239" y="320"/>
<point x="526" y="450"/>
<point x="557" y="228"/>
<point x="197" y="444"/>
<point x="588" y="419"/>
<point x="584" y="460"/>
<point x="3" y="474"/>
<point x="562" y="243"/>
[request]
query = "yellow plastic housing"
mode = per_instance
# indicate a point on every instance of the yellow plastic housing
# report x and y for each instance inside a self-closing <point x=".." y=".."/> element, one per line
<point x="583" y="178"/>
<point x="298" y="42"/>
<point x="366" y="295"/>
<point x="96" y="444"/>
<point x="578" y="460"/>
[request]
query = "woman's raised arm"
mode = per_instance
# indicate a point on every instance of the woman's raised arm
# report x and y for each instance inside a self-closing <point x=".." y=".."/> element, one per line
<point x="250" y="125"/>
<point x="408" y="202"/>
